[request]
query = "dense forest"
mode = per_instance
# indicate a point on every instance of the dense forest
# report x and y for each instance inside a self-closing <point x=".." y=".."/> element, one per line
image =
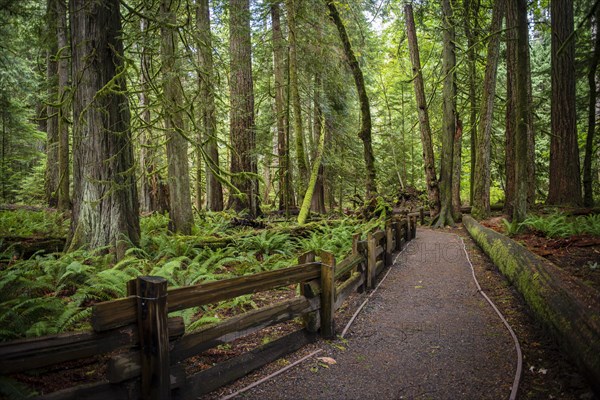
<point x="115" y="109"/>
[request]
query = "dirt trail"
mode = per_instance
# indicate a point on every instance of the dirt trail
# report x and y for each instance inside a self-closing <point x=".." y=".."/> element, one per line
<point x="426" y="333"/>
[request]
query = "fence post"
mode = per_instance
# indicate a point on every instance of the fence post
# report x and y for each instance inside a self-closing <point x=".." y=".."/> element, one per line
<point x="371" y="260"/>
<point x="422" y="215"/>
<point x="407" y="230"/>
<point x="389" y="243"/>
<point x="327" y="295"/>
<point x="413" y="228"/>
<point x="154" y="337"/>
<point x="308" y="290"/>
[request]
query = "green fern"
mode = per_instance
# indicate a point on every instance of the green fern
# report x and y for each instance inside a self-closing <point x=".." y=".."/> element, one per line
<point x="11" y="389"/>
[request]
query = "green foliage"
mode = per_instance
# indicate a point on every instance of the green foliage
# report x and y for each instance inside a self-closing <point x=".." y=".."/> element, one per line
<point x="559" y="225"/>
<point x="25" y="223"/>
<point x="10" y="389"/>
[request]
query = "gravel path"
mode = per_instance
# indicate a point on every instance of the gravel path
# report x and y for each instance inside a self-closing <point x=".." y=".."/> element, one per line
<point x="425" y="334"/>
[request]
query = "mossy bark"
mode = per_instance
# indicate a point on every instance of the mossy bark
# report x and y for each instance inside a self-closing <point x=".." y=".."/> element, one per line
<point x="565" y="305"/>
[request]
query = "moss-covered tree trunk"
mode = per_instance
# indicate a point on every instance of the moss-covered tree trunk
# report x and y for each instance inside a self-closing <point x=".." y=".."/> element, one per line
<point x="214" y="189"/>
<point x="305" y="208"/>
<point x="52" y="175"/>
<point x="105" y="206"/>
<point x="433" y="192"/>
<point x="446" y="217"/>
<point x="286" y="190"/>
<point x="365" y="109"/>
<point x="471" y="10"/>
<point x="181" y="218"/>
<point x="481" y="190"/>
<point x="62" y="33"/>
<point x="565" y="305"/>
<point x="301" y="157"/>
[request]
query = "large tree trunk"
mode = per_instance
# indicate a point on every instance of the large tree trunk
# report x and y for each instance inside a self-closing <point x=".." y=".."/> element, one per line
<point x="52" y="175"/>
<point x="180" y="202"/>
<point x="105" y="208"/>
<point x="305" y="208"/>
<point x="365" y="110"/>
<point x="588" y="197"/>
<point x="565" y="182"/>
<point x="301" y="157"/>
<point x="457" y="166"/>
<point x="242" y="129"/>
<point x="522" y="113"/>
<point x="567" y="307"/>
<point x="446" y="216"/>
<point x="214" y="190"/>
<point x="286" y="192"/>
<point x="145" y="157"/>
<point x="481" y="197"/>
<point x="429" y="158"/>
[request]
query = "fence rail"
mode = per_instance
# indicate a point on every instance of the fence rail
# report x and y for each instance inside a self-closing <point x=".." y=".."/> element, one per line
<point x="156" y="344"/>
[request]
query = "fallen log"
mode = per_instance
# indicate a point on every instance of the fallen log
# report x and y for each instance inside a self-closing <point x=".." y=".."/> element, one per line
<point x="567" y="307"/>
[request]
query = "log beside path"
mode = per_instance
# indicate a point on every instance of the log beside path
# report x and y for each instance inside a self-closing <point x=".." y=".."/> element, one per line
<point x="425" y="333"/>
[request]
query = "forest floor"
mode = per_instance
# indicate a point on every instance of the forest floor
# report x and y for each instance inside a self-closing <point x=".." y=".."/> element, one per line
<point x="426" y="333"/>
<point x="455" y="354"/>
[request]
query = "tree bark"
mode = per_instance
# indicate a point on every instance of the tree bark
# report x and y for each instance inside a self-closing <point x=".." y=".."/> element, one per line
<point x="62" y="32"/>
<point x="471" y="9"/>
<point x="305" y="208"/>
<point x="214" y="189"/>
<point x="457" y="167"/>
<point x="446" y="216"/>
<point x="286" y="192"/>
<point x="565" y="182"/>
<point x="365" y="110"/>
<point x="588" y="197"/>
<point x="481" y="190"/>
<point x="242" y="129"/>
<point x="301" y="157"/>
<point x="425" y="128"/>
<point x="105" y="207"/>
<point x="522" y="114"/>
<point x="52" y="175"/>
<point x="511" y="106"/>
<point x="181" y="218"/>
<point x="318" y="198"/>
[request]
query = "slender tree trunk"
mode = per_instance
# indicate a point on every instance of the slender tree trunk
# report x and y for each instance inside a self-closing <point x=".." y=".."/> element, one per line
<point x="305" y="209"/>
<point x="318" y="198"/>
<point x="481" y="198"/>
<point x="425" y="128"/>
<point x="242" y="129"/>
<point x="522" y="114"/>
<point x="62" y="32"/>
<point x="291" y="8"/>
<point x="449" y="116"/>
<point x="180" y="203"/>
<point x="105" y="207"/>
<point x="52" y="177"/>
<point x="588" y="198"/>
<point x="146" y="156"/>
<point x="214" y="190"/>
<point x="286" y="193"/>
<point x="471" y="9"/>
<point x="511" y="105"/>
<point x="365" y="110"/>
<point x="457" y="166"/>
<point x="565" y="182"/>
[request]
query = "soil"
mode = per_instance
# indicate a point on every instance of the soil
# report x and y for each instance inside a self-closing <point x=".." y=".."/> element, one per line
<point x="578" y="255"/>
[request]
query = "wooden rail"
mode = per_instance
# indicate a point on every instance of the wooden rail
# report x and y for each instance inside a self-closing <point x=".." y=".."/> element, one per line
<point x="156" y="344"/>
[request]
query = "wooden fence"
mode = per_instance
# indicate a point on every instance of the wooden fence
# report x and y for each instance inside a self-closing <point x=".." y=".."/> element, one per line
<point x="153" y="346"/>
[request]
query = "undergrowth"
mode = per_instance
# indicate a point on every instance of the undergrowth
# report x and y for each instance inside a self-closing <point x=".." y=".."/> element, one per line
<point x="25" y="223"/>
<point x="559" y="225"/>
<point x="52" y="293"/>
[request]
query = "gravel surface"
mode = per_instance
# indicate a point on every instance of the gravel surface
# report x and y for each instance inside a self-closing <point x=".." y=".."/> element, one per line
<point x="426" y="333"/>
